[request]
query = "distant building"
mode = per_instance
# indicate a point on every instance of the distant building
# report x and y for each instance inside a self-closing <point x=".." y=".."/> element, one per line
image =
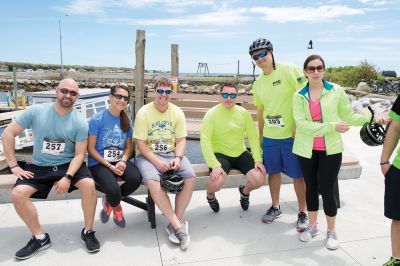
<point x="389" y="73"/>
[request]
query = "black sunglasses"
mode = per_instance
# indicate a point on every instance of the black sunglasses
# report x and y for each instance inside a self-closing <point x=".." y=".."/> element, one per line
<point x="66" y="91"/>
<point x="119" y="97"/>
<point x="311" y="69"/>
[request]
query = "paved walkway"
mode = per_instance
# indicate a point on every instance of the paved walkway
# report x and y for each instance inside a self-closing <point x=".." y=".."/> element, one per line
<point x="231" y="237"/>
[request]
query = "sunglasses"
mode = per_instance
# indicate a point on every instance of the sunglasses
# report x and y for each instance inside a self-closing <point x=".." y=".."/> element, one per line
<point x="231" y="95"/>
<point x="119" y="97"/>
<point x="161" y="91"/>
<point x="66" y="91"/>
<point x="311" y="69"/>
<point x="257" y="56"/>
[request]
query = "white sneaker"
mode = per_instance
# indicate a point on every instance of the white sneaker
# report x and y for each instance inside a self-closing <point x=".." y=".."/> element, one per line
<point x="331" y="241"/>
<point x="171" y="234"/>
<point x="308" y="234"/>
<point x="183" y="235"/>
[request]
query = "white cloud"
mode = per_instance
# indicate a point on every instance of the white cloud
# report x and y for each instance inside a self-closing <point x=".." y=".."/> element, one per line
<point x="99" y="6"/>
<point x="216" y="18"/>
<point x="365" y="41"/>
<point x="80" y="7"/>
<point x="305" y="14"/>
<point x="359" y="28"/>
<point x="373" y="2"/>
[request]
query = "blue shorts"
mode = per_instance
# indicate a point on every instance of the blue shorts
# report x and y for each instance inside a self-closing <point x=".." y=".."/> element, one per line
<point x="278" y="157"/>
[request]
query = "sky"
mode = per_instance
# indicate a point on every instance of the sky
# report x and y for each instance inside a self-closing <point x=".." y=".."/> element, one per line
<point x="219" y="33"/>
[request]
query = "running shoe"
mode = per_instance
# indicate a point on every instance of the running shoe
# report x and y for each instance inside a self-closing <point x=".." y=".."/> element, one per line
<point x="34" y="245"/>
<point x="171" y="234"/>
<point x="119" y="218"/>
<point x="272" y="214"/>
<point x="214" y="204"/>
<point x="106" y="211"/>
<point x="244" y="199"/>
<point x="302" y="221"/>
<point x="308" y="234"/>
<point x="183" y="235"/>
<point x="90" y="241"/>
<point x="331" y="240"/>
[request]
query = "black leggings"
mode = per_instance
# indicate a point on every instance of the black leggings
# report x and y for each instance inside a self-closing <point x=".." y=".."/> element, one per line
<point x="320" y="175"/>
<point x="109" y="184"/>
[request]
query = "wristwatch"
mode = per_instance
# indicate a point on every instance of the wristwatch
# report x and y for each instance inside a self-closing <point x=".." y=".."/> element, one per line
<point x="68" y="176"/>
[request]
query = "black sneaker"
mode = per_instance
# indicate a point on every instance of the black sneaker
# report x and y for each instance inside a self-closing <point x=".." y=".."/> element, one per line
<point x="34" y="245"/>
<point x="91" y="242"/>
<point x="244" y="199"/>
<point x="214" y="204"/>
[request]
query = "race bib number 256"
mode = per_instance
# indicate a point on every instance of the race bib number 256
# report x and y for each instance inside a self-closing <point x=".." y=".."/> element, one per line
<point x="161" y="148"/>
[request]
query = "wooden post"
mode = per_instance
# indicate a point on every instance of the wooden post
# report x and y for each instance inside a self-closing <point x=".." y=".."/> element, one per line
<point x="15" y="88"/>
<point x="139" y="70"/>
<point x="174" y="60"/>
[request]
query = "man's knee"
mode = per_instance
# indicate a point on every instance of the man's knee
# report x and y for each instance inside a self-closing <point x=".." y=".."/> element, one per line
<point x="21" y="193"/>
<point x="255" y="178"/>
<point x="86" y="185"/>
<point x="214" y="186"/>
<point x="189" y="182"/>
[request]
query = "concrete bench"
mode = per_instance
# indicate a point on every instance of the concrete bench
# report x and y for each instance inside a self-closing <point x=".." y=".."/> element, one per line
<point x="7" y="181"/>
<point x="350" y="169"/>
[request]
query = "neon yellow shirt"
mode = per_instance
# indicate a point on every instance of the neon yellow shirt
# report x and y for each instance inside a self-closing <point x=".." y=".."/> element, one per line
<point x="224" y="130"/>
<point x="160" y="129"/>
<point x="275" y="92"/>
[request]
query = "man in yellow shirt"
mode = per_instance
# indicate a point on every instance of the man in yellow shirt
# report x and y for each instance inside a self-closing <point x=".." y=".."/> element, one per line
<point x="272" y="93"/>
<point x="223" y="131"/>
<point x="160" y="135"/>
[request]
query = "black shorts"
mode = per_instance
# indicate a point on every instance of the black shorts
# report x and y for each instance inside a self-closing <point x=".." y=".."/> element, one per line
<point x="244" y="163"/>
<point x="392" y="186"/>
<point x="45" y="177"/>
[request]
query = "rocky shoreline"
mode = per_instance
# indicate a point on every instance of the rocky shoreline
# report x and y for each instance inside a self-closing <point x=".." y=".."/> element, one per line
<point x="379" y="94"/>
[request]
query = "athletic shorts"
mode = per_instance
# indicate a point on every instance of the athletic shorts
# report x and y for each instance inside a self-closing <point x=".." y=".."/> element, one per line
<point x="279" y="158"/>
<point x="244" y="163"/>
<point x="149" y="171"/>
<point x="45" y="177"/>
<point x="392" y="187"/>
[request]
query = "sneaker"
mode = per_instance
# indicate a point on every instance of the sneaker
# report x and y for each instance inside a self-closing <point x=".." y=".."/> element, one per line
<point x="171" y="234"/>
<point x="244" y="199"/>
<point x="106" y="211"/>
<point x="34" y="245"/>
<point x="119" y="218"/>
<point x="272" y="214"/>
<point x="308" y="234"/>
<point x="90" y="240"/>
<point x="214" y="204"/>
<point x="183" y="235"/>
<point x="331" y="240"/>
<point x="302" y="221"/>
<point x="392" y="262"/>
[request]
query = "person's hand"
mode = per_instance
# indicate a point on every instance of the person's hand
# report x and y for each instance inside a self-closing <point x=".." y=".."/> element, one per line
<point x="216" y="174"/>
<point x="341" y="127"/>
<point x="385" y="168"/>
<point x="121" y="165"/>
<point x="161" y="166"/>
<point x="175" y="164"/>
<point x="260" y="167"/>
<point x="382" y="118"/>
<point x="62" y="185"/>
<point x="115" y="170"/>
<point x="21" y="173"/>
